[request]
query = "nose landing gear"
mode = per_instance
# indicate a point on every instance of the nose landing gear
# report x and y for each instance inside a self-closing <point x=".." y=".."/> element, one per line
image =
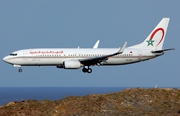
<point x="20" y="70"/>
<point x="18" y="66"/>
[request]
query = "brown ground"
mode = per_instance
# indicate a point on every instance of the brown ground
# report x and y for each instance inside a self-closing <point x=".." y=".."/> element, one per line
<point x="129" y="102"/>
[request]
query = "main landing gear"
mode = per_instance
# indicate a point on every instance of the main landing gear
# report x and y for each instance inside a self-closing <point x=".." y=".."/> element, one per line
<point x="88" y="70"/>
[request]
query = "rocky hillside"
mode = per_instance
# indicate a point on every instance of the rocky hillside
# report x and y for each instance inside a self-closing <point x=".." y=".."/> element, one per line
<point x="129" y="102"/>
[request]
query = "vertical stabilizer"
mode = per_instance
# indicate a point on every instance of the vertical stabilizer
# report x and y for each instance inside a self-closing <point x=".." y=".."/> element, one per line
<point x="156" y="38"/>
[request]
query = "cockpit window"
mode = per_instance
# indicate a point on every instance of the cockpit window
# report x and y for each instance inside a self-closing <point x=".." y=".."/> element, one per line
<point x="13" y="54"/>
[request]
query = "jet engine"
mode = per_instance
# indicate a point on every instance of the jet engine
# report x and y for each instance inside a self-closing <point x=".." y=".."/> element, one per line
<point x="71" y="64"/>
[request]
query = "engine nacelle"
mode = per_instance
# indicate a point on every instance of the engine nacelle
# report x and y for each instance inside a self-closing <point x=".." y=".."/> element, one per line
<point x="72" y="64"/>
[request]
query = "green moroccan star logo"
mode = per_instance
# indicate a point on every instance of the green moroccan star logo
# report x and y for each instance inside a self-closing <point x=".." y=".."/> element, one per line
<point x="150" y="42"/>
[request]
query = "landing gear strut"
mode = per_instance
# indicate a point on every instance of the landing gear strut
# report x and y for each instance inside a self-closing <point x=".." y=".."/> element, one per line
<point x="88" y="70"/>
<point x="20" y="70"/>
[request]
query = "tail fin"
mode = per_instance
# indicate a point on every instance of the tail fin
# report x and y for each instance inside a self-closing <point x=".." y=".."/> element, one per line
<point x="156" y="38"/>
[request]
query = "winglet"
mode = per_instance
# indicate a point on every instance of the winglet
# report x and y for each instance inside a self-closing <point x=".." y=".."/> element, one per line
<point x="121" y="50"/>
<point x="96" y="44"/>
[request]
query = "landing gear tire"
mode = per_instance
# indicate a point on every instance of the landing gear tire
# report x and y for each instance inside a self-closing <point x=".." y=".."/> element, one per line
<point x="87" y="70"/>
<point x="20" y="70"/>
<point x="84" y="70"/>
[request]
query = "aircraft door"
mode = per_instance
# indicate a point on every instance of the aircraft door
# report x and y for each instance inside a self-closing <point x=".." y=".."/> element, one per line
<point x="25" y="57"/>
<point x="25" y="54"/>
<point x="139" y="55"/>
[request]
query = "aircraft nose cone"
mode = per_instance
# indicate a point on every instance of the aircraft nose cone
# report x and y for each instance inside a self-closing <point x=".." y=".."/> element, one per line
<point x="5" y="59"/>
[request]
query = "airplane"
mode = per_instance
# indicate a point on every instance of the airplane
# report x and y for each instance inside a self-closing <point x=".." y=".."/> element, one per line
<point x="76" y="58"/>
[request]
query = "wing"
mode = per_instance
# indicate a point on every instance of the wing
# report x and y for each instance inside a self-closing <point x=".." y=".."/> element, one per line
<point x="98" y="60"/>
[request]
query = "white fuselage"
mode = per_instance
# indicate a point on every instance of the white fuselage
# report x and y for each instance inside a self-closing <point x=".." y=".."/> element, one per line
<point x="55" y="57"/>
<point x="75" y="58"/>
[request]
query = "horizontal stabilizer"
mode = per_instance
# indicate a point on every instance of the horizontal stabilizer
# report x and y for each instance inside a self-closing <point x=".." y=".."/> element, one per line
<point x="164" y="50"/>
